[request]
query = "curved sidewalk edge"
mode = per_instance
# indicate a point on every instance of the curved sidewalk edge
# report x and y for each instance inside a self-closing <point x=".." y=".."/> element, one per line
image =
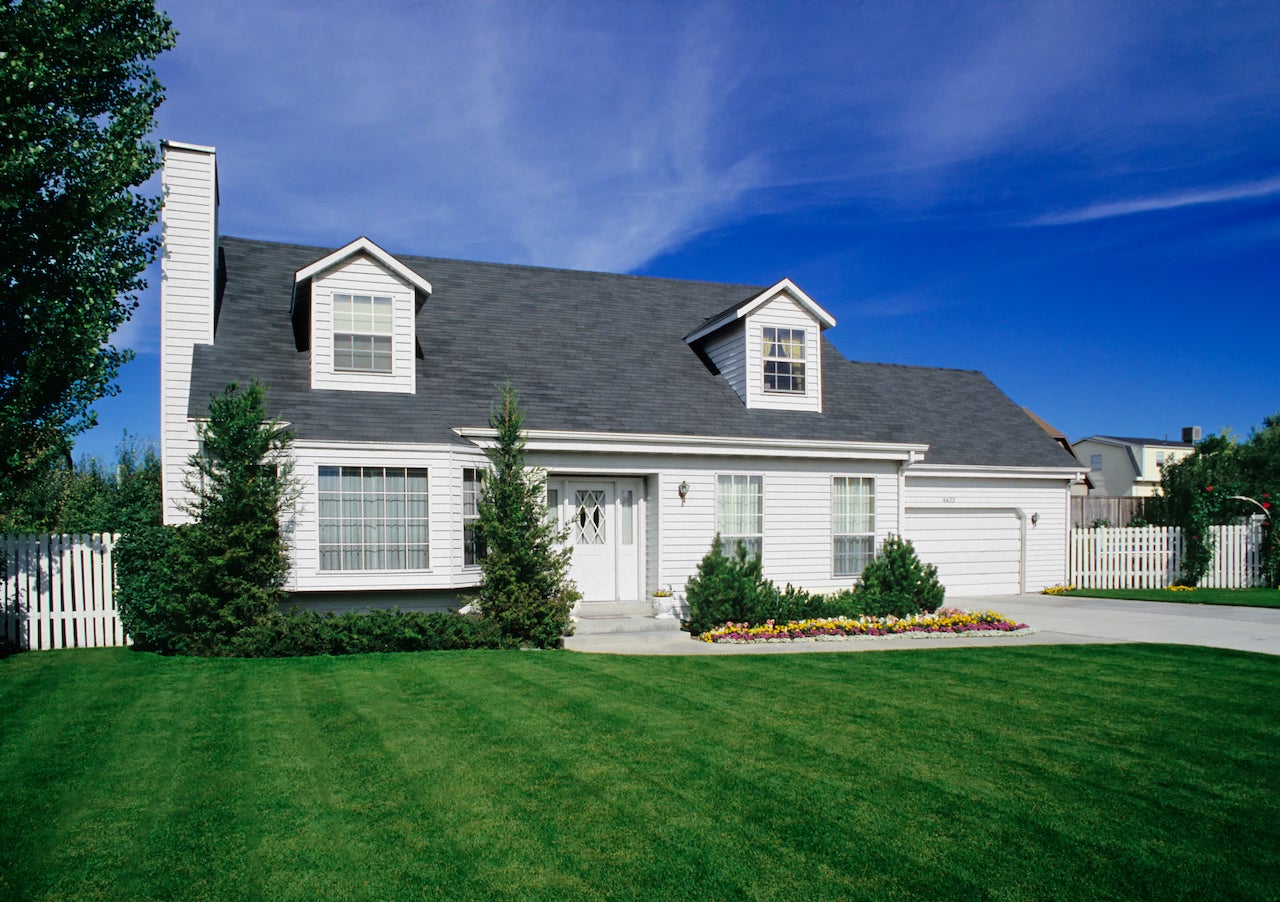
<point x="1057" y="620"/>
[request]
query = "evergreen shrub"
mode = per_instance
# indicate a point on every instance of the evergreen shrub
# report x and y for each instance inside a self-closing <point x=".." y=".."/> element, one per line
<point x="727" y="588"/>
<point x="525" y="587"/>
<point x="897" y="584"/>
<point x="731" y="589"/>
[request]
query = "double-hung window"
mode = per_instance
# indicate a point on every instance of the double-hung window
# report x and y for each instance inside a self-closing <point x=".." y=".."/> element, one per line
<point x="853" y="524"/>
<point x="472" y="479"/>
<point x="784" y="360"/>
<point x="362" y="326"/>
<point x="740" y="512"/>
<point x="373" y="518"/>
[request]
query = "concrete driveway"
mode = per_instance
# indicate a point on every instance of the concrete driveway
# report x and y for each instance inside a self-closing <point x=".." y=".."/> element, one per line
<point x="1057" y="621"/>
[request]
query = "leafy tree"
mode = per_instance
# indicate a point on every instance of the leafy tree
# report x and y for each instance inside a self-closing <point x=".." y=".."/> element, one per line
<point x="525" y="566"/>
<point x="192" y="589"/>
<point x="91" y="496"/>
<point x="79" y="100"/>
<point x="1203" y="489"/>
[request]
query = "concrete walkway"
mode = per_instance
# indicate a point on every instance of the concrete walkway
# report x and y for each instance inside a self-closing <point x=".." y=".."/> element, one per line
<point x="1057" y="621"/>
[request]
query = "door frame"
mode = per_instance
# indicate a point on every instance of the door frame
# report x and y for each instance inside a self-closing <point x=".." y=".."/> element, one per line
<point x="567" y="483"/>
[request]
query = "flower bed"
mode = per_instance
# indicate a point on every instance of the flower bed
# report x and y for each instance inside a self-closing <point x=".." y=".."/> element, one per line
<point x="944" y="621"/>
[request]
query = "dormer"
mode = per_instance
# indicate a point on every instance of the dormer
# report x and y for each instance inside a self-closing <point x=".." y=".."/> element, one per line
<point x="354" y="310"/>
<point x="768" y="348"/>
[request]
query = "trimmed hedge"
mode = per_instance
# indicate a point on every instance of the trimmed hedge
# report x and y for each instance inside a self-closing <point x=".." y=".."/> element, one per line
<point x="307" y="633"/>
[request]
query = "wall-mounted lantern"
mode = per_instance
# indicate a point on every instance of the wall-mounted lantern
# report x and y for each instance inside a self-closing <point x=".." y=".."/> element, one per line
<point x="683" y="490"/>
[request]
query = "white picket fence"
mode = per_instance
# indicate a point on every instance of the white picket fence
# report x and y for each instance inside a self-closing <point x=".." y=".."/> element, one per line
<point x="59" y="592"/>
<point x="1149" y="557"/>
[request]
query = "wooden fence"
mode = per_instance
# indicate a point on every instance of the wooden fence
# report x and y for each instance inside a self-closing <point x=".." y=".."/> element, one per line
<point x="59" y="592"/>
<point x="1087" y="510"/>
<point x="1150" y="557"/>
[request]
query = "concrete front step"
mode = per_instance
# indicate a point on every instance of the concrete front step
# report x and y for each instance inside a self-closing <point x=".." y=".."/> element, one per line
<point x="641" y="608"/>
<point x="597" y="624"/>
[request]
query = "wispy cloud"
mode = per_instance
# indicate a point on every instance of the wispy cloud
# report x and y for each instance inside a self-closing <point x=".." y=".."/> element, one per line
<point x="540" y="134"/>
<point x="1173" y="201"/>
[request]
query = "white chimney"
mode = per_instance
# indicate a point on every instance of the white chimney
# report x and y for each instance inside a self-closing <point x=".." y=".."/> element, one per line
<point x="188" y="272"/>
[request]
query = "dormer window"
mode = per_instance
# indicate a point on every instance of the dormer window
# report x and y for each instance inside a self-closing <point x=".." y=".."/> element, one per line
<point x="362" y="328"/>
<point x="784" y="360"/>
<point x="354" y="310"/>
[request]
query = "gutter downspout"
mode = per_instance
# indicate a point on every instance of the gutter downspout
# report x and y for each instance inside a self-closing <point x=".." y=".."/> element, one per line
<point x="902" y="491"/>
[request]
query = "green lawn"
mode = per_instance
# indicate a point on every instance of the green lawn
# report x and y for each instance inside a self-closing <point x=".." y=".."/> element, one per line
<point x="1051" y="772"/>
<point x="1252" y="598"/>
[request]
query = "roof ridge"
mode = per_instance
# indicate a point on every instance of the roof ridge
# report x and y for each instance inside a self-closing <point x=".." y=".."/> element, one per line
<point x="322" y="251"/>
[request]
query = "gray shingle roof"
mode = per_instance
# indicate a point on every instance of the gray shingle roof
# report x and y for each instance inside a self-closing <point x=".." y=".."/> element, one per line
<point x="585" y="351"/>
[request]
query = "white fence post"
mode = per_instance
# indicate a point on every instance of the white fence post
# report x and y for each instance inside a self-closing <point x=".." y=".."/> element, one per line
<point x="1150" y="557"/>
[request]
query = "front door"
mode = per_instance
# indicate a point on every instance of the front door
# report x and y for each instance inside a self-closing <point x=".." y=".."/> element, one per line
<point x="604" y="535"/>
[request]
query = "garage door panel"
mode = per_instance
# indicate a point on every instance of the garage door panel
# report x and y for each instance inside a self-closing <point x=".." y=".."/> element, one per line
<point x="976" y="551"/>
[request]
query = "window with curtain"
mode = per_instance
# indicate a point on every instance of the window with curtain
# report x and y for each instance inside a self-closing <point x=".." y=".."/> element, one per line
<point x="472" y="479"/>
<point x="373" y="518"/>
<point x="853" y="524"/>
<point x="783" y="360"/>
<point x="740" y="512"/>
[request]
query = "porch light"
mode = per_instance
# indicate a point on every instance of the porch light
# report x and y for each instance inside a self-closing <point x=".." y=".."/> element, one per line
<point x="1035" y="518"/>
<point x="683" y="490"/>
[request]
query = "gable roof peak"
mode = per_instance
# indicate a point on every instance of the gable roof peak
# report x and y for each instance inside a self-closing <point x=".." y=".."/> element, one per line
<point x="362" y="246"/>
<point x="755" y="302"/>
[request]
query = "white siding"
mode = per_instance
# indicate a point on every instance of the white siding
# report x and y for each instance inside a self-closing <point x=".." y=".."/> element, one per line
<point x="189" y="231"/>
<point x="1044" y="553"/>
<point x="727" y="350"/>
<point x="783" y="312"/>
<point x="361" y="275"/>
<point x="797" y="516"/>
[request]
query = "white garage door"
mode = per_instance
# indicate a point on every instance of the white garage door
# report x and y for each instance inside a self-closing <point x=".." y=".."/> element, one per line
<point x="977" y="552"/>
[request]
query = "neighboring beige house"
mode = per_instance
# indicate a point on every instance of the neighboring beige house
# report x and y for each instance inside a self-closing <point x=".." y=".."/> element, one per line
<point x="1127" y="467"/>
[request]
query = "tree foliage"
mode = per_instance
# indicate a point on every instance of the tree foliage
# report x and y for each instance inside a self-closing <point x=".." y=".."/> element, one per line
<point x="192" y="589"/>
<point x="79" y="101"/>
<point x="90" y="497"/>
<point x="1205" y="488"/>
<point x="525" y="565"/>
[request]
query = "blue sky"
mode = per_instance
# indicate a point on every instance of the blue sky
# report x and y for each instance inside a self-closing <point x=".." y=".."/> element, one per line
<point x="1082" y="200"/>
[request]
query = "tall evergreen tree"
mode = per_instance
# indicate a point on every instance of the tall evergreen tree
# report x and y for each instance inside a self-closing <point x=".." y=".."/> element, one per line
<point x="525" y="565"/>
<point x="79" y="102"/>
<point x="192" y="589"/>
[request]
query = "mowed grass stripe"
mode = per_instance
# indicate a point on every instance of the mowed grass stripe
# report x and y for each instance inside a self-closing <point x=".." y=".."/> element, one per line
<point x="1085" y="772"/>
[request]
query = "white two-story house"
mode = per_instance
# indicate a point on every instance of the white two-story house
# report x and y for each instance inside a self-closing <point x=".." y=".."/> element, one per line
<point x="663" y="411"/>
